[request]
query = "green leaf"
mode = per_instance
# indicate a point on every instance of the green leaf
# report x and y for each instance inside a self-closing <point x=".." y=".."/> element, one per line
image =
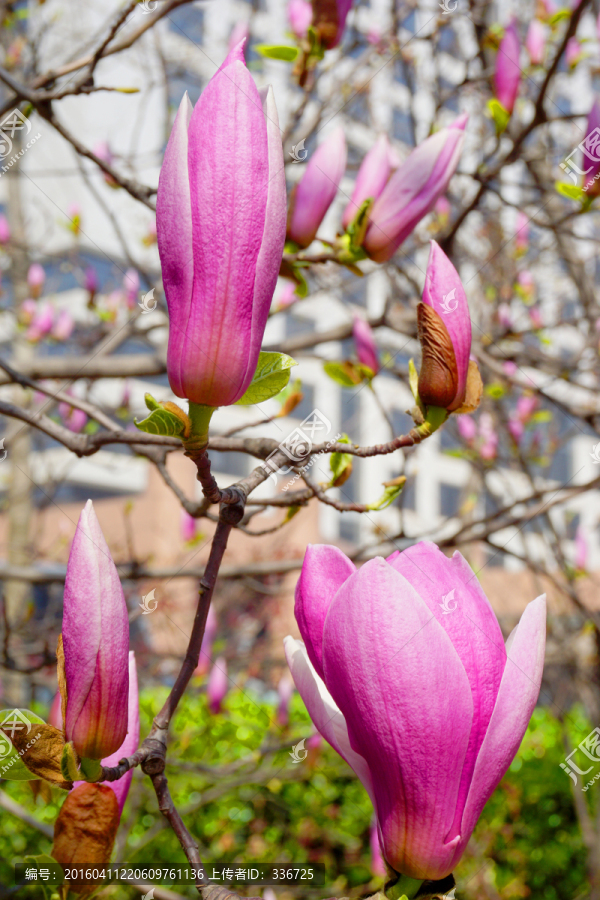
<point x="500" y="115"/>
<point x="572" y="191"/>
<point x="68" y="763"/>
<point x="559" y="16"/>
<point x="495" y="390"/>
<point x="542" y="415"/>
<point x="343" y="373"/>
<point x="271" y="376"/>
<point x="389" y="495"/>
<point x="91" y="769"/>
<point x="413" y="380"/>
<point x="151" y="403"/>
<point x="277" y="51"/>
<point x="11" y="766"/>
<point x="340" y="463"/>
<point x="170" y="422"/>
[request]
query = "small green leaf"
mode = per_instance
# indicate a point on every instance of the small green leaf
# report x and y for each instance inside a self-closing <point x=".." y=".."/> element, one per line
<point x="271" y="376"/>
<point x="572" y="191"/>
<point x="11" y="766"/>
<point x="500" y="115"/>
<point x="392" y="490"/>
<point x="68" y="763"/>
<point x="340" y="463"/>
<point x="542" y="415"/>
<point x="277" y="51"/>
<point x="291" y="513"/>
<point x="161" y="421"/>
<point x="559" y="16"/>
<point x="495" y="390"/>
<point x="413" y="380"/>
<point x="151" y="403"/>
<point x="91" y="769"/>
<point x="343" y="373"/>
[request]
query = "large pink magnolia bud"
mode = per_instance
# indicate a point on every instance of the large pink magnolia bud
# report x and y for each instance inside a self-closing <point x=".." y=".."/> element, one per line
<point x="220" y="220"/>
<point x="373" y="176"/>
<point x="413" y="190"/>
<point x="444" y="327"/>
<point x="405" y="672"/>
<point x="95" y="638"/>
<point x="313" y="195"/>
<point x="507" y="76"/>
<point x="364" y="342"/>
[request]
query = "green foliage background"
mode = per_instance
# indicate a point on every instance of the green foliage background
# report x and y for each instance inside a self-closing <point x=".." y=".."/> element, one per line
<point x="243" y="806"/>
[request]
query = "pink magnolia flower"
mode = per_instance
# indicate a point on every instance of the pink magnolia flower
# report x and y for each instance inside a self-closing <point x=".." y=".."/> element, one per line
<point x="488" y="447"/>
<point x="504" y="315"/>
<point x="285" y="689"/>
<point x="102" y="150"/>
<point x="299" y="16"/>
<point x="572" y="52"/>
<point x="443" y="385"/>
<point x="526" y="406"/>
<point x="329" y="20"/>
<point x="96" y="644"/>
<point x="581" y="549"/>
<point x="364" y="343"/>
<point x="443" y="209"/>
<point x="35" y="279"/>
<point x="221" y="230"/>
<point x="372" y="177"/>
<point x="510" y="368"/>
<point x="428" y="709"/>
<point x="535" y="42"/>
<point x="535" y="314"/>
<point x="4" y="230"/>
<point x="189" y="526"/>
<point x="413" y="190"/>
<point x="64" y="325"/>
<point x="467" y="428"/>
<point x="286" y="296"/>
<point x="131" y="286"/>
<point x="507" y="76"/>
<point x="314" y="194"/>
<point x="522" y="233"/>
<point x="91" y="280"/>
<point x="516" y="428"/>
<point x="218" y="685"/>
<point x="41" y="323"/>
<point x="210" y="632"/>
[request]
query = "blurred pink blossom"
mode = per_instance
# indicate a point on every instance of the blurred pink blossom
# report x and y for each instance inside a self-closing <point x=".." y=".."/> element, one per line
<point x="63" y="327"/>
<point x="581" y="549"/>
<point x="504" y="315"/>
<point x="41" y="323"/>
<point x="467" y="428"/>
<point x="188" y="526"/>
<point x="299" y="16"/>
<point x="131" y="284"/>
<point x="35" y="279"/>
<point x="285" y="689"/>
<point x="4" y="230"/>
<point x="218" y="685"/>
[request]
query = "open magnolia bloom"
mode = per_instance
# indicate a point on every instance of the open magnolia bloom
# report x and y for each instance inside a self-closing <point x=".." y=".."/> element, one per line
<point x="405" y="672"/>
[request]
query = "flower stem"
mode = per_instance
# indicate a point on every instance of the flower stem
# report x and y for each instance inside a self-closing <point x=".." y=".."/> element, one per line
<point x="404" y="887"/>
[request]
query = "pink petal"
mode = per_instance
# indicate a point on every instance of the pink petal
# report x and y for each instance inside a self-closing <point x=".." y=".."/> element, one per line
<point x="471" y="626"/>
<point x="318" y="186"/>
<point x="388" y="664"/>
<point x="515" y="703"/>
<point x="324" y="570"/>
